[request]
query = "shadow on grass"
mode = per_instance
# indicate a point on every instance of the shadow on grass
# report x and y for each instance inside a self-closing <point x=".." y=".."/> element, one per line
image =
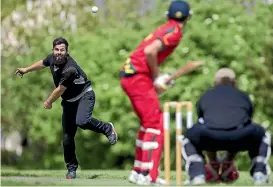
<point x="93" y="176"/>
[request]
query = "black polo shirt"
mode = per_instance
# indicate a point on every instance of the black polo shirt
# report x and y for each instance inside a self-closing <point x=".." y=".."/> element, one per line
<point x="224" y="107"/>
<point x="70" y="75"/>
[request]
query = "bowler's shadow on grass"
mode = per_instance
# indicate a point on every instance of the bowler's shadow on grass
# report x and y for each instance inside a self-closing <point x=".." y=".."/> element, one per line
<point x="93" y="176"/>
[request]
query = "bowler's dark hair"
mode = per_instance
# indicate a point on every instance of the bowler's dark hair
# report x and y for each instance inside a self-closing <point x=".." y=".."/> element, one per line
<point x="59" y="41"/>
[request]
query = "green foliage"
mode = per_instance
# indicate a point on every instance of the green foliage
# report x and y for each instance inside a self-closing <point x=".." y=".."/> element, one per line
<point x="9" y="6"/>
<point x="222" y="34"/>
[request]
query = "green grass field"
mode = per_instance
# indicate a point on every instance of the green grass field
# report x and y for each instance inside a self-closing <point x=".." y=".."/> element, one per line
<point x="11" y="177"/>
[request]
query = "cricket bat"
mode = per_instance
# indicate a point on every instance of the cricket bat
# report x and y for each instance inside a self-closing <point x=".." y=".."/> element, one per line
<point x="187" y="68"/>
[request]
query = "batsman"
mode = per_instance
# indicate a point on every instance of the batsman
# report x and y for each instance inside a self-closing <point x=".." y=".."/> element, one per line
<point x="141" y="80"/>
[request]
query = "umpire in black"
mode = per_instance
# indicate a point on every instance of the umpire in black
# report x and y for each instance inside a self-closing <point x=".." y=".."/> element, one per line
<point x="225" y="123"/>
<point x="78" y="100"/>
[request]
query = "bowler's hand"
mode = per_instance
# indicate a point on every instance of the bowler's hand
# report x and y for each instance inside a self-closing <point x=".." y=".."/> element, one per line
<point x="47" y="105"/>
<point x="21" y="71"/>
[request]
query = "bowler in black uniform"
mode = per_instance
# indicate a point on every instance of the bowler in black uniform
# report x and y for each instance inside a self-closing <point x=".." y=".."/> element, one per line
<point x="78" y="100"/>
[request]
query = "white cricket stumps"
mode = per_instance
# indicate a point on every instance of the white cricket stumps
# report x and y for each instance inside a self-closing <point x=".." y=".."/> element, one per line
<point x="179" y="125"/>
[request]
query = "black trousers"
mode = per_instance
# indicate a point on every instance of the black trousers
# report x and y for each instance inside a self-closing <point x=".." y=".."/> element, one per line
<point x="79" y="114"/>
<point x="251" y="138"/>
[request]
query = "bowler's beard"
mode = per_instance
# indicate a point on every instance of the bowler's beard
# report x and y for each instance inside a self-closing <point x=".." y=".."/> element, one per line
<point x="59" y="59"/>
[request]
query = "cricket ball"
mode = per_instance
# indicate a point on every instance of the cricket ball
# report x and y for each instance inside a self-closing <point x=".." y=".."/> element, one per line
<point x="94" y="9"/>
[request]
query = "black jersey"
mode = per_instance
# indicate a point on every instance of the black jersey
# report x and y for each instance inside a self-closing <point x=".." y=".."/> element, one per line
<point x="70" y="75"/>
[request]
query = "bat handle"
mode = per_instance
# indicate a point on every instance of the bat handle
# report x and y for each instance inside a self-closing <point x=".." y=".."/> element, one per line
<point x="169" y="79"/>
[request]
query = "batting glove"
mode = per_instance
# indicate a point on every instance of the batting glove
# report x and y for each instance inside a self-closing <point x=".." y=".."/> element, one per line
<point x="161" y="81"/>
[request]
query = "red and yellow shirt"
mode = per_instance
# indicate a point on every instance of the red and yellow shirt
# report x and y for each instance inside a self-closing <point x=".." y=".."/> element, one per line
<point x="170" y="35"/>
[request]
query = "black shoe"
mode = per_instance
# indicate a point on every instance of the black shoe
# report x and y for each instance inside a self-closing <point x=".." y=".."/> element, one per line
<point x="113" y="137"/>
<point x="71" y="174"/>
